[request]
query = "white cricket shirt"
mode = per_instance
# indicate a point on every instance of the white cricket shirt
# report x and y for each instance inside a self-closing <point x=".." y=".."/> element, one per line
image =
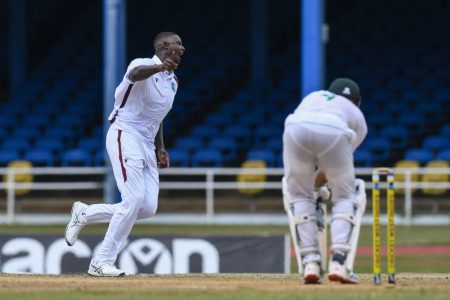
<point x="141" y="106"/>
<point x="325" y="108"/>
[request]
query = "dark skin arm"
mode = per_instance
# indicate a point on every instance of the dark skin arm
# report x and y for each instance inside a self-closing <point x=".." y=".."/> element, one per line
<point x="143" y="72"/>
<point x="162" y="156"/>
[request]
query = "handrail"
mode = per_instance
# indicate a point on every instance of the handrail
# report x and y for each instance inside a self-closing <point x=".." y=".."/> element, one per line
<point x="210" y="183"/>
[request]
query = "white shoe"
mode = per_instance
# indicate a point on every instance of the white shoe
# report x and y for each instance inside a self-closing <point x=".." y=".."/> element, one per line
<point x="76" y="222"/>
<point x="104" y="269"/>
<point x="337" y="272"/>
<point x="311" y="272"/>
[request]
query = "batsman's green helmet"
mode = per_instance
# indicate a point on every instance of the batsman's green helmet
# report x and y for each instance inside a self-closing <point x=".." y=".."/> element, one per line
<point x="346" y="88"/>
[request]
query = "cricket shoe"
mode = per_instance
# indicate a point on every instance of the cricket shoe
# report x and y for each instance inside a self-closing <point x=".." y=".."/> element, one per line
<point x="311" y="273"/>
<point x="104" y="269"/>
<point x="76" y="222"/>
<point x="338" y="272"/>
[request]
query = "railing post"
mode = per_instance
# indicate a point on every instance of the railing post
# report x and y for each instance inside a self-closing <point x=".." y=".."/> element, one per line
<point x="11" y="193"/>
<point x="408" y="198"/>
<point x="210" y="196"/>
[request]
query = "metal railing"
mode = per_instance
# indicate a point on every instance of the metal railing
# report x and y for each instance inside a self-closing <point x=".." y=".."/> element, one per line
<point x="210" y="183"/>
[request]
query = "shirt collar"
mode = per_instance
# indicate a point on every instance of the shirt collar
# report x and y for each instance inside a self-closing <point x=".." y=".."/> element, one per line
<point x="156" y="59"/>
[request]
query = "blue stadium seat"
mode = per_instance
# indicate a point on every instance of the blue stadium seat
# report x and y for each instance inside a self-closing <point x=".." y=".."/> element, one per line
<point x="265" y="133"/>
<point x="207" y="158"/>
<point x="380" y="149"/>
<point x="436" y="143"/>
<point x="376" y="122"/>
<point x="241" y="134"/>
<point x="93" y="144"/>
<point x="421" y="155"/>
<point x="432" y="112"/>
<point x="218" y="120"/>
<point x="65" y="134"/>
<point x="4" y="134"/>
<point x="275" y="144"/>
<point x="8" y="121"/>
<point x="445" y="131"/>
<point x="30" y="134"/>
<point x="76" y="157"/>
<point x="204" y="132"/>
<point x="444" y="155"/>
<point x="250" y="119"/>
<point x="396" y="135"/>
<point x="413" y="121"/>
<point x="40" y="157"/>
<point x="16" y="144"/>
<point x="74" y="122"/>
<point x="189" y="143"/>
<point x="226" y="146"/>
<point x="8" y="155"/>
<point x="37" y="121"/>
<point x="178" y="157"/>
<point x="362" y="158"/>
<point x="100" y="158"/>
<point x="266" y="155"/>
<point x="51" y="144"/>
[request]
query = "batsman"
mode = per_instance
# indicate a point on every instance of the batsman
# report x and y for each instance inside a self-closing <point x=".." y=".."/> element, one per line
<point x="319" y="140"/>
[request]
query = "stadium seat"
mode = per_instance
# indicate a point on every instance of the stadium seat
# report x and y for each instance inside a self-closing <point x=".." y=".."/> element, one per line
<point x="410" y="166"/>
<point x="363" y="158"/>
<point x="423" y="156"/>
<point x="244" y="177"/>
<point x="178" y="157"/>
<point x="30" y="134"/>
<point x="226" y="146"/>
<point x="396" y="135"/>
<point x="264" y="133"/>
<point x="8" y="155"/>
<point x="100" y="158"/>
<point x="54" y="145"/>
<point x="76" y="157"/>
<point x="16" y="144"/>
<point x="241" y="134"/>
<point x="93" y="145"/>
<point x="444" y="155"/>
<point x="218" y="120"/>
<point x="379" y="148"/>
<point x="8" y="121"/>
<point x="207" y="158"/>
<point x="275" y="144"/>
<point x="445" y="131"/>
<point x="250" y="120"/>
<point x="65" y="134"/>
<point x="204" y="132"/>
<point x="40" y="157"/>
<point x="37" y="121"/>
<point x="265" y="155"/>
<point x="429" y="178"/>
<point x="436" y="143"/>
<point x="413" y="121"/>
<point x="189" y="143"/>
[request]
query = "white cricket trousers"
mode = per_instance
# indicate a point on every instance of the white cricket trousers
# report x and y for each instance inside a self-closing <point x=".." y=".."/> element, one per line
<point x="137" y="177"/>
<point x="306" y="146"/>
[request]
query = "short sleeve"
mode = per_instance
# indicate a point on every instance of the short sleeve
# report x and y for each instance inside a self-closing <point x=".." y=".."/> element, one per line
<point x="136" y="62"/>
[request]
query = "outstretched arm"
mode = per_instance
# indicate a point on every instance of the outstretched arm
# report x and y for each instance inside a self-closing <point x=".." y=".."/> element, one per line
<point x="143" y="72"/>
<point x="162" y="156"/>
